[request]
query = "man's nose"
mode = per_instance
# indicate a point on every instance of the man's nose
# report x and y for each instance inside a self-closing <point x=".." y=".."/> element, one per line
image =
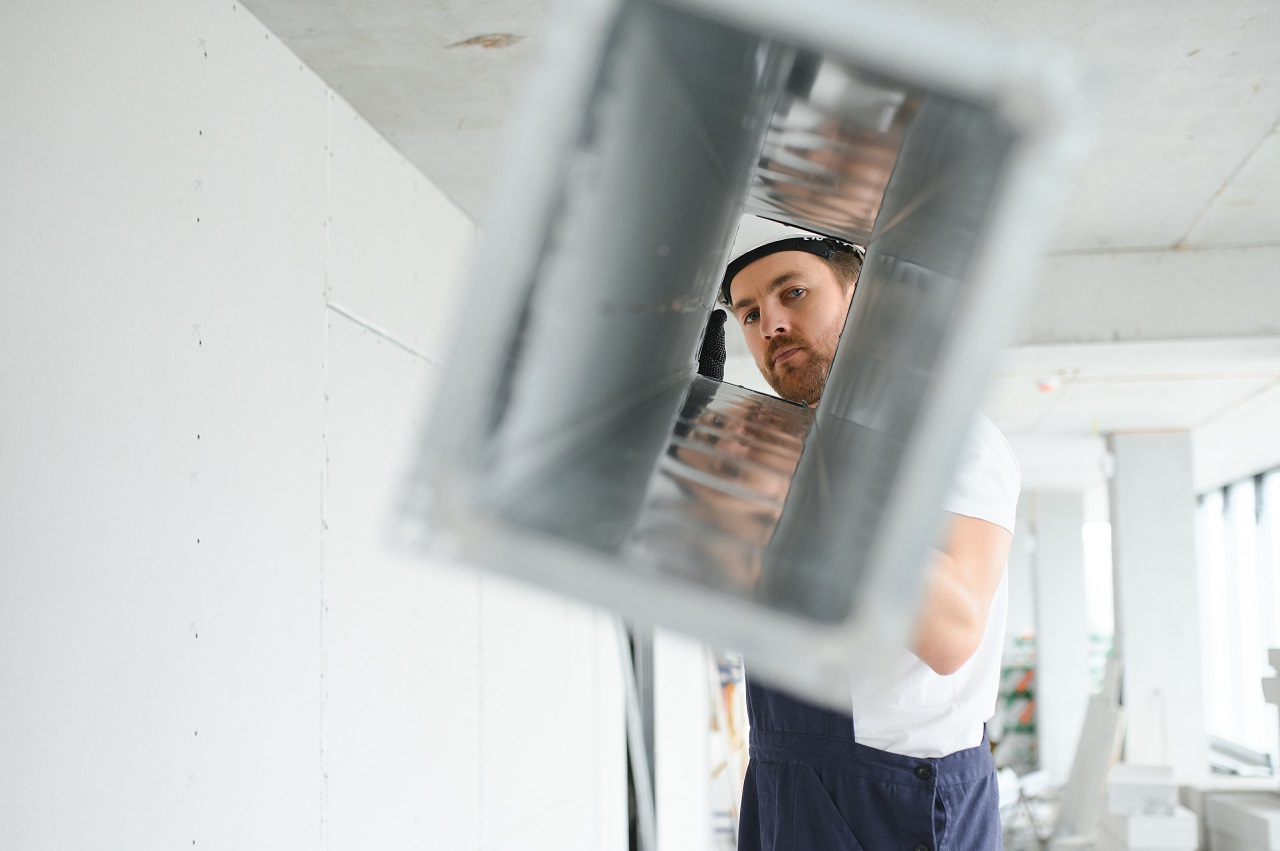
<point x="773" y="325"/>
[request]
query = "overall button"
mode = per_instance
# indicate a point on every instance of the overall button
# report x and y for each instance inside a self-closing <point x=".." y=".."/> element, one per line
<point x="921" y="848"/>
<point x="924" y="772"/>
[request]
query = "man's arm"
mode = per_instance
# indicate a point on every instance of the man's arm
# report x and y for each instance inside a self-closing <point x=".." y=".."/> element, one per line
<point x="958" y="593"/>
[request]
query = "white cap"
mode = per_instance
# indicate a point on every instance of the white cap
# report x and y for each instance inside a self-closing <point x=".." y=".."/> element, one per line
<point x="755" y="231"/>
<point x="759" y="237"/>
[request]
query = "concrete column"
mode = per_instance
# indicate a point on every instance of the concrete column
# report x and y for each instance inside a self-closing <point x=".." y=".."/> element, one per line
<point x="1157" y="616"/>
<point x="1062" y="634"/>
<point x="1022" y="610"/>
<point x="682" y="711"/>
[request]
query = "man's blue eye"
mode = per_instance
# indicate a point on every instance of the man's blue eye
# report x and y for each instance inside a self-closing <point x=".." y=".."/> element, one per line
<point x="796" y="292"/>
<point x="750" y="317"/>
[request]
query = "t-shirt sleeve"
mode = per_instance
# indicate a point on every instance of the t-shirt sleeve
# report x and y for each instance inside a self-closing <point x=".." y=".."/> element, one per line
<point x="987" y="479"/>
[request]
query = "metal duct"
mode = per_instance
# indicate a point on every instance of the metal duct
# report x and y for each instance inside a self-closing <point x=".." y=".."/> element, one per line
<point x="574" y="447"/>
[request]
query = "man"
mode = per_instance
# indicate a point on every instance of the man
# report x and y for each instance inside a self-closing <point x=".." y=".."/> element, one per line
<point x="911" y="767"/>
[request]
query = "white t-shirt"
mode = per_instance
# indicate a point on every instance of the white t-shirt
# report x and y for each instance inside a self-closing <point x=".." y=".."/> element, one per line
<point x="915" y="711"/>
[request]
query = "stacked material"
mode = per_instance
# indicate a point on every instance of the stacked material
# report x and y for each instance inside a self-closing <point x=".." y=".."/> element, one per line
<point x="1196" y="797"/>
<point x="1247" y="821"/>
<point x="1243" y="821"/>
<point x="1271" y="685"/>
<point x="1141" y="789"/>
<point x="1143" y="812"/>
<point x="1176" y="831"/>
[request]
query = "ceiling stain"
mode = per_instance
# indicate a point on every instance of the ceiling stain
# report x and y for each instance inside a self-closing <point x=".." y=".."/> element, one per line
<point x="489" y="41"/>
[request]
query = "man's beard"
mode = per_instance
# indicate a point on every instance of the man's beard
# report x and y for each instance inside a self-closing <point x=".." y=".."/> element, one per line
<point x="798" y="382"/>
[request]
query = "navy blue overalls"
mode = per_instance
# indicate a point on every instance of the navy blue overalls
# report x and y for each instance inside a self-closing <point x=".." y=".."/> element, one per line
<point x="811" y="787"/>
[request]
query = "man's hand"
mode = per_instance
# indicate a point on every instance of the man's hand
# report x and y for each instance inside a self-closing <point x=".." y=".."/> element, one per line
<point x="712" y="354"/>
<point x="958" y="593"/>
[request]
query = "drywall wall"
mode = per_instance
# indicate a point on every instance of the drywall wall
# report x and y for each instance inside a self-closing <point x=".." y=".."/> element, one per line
<point x="226" y="299"/>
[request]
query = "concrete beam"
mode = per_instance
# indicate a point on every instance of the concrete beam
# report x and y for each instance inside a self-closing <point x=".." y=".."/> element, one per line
<point x="1239" y="443"/>
<point x="1054" y="462"/>
<point x="1156" y="295"/>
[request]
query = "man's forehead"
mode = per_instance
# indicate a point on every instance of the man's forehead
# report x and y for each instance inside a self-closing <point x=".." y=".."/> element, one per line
<point x="771" y="273"/>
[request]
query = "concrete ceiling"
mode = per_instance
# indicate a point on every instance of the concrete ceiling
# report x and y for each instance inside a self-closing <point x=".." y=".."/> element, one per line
<point x="436" y="77"/>
<point x="1186" y="100"/>
<point x="1186" y="97"/>
<point x="1183" y="185"/>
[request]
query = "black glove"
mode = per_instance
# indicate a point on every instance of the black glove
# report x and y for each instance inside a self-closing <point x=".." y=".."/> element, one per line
<point x="712" y="355"/>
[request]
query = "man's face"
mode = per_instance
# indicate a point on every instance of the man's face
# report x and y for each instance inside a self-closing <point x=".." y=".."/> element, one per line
<point x="792" y="309"/>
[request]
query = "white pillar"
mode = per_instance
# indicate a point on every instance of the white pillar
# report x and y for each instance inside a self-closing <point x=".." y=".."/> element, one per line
<point x="1022" y="610"/>
<point x="1062" y="636"/>
<point x="682" y="713"/>
<point x="1157" y="616"/>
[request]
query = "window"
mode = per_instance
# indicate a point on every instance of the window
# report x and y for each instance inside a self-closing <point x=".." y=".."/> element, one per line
<point x="1238" y="536"/>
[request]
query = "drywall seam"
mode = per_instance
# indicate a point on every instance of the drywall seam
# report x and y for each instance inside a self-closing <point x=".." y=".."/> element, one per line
<point x="1186" y="237"/>
<point x="324" y="482"/>
<point x="1180" y="248"/>
<point x="382" y="332"/>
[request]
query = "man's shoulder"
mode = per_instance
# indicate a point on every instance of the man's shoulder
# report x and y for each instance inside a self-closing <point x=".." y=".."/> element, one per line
<point x="989" y="443"/>
<point x="987" y="479"/>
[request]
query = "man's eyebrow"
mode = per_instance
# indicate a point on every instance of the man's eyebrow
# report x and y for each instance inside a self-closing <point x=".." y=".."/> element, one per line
<point x="777" y="284"/>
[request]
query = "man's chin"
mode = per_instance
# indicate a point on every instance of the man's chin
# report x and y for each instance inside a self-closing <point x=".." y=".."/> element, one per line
<point x="799" y="386"/>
